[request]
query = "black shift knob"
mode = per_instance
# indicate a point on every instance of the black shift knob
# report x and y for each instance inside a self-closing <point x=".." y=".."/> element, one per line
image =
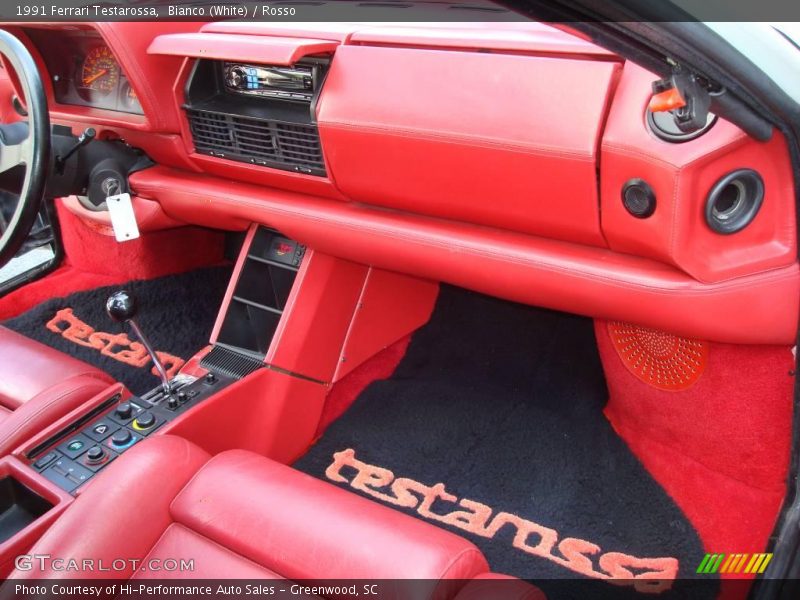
<point x="121" y="306"/>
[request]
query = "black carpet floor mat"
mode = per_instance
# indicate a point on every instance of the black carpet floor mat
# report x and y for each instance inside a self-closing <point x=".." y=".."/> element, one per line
<point x="176" y="313"/>
<point x="502" y="404"/>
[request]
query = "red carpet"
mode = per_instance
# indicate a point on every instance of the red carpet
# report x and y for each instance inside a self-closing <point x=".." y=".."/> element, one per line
<point x="721" y="447"/>
<point x="345" y="391"/>
<point x="94" y="259"/>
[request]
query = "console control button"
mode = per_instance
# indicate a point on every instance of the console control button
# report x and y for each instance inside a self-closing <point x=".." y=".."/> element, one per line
<point x="45" y="460"/>
<point x="97" y="457"/>
<point x="144" y="421"/>
<point x="66" y="474"/>
<point x="75" y="446"/>
<point x="95" y="454"/>
<point x="121" y="437"/>
<point x="101" y="430"/>
<point x="124" y="412"/>
<point x="122" y="440"/>
<point x="210" y="377"/>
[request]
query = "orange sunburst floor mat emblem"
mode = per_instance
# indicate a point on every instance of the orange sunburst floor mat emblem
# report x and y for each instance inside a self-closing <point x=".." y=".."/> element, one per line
<point x="662" y="360"/>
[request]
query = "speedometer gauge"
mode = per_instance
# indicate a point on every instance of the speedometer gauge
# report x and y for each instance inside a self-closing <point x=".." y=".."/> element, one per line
<point x="99" y="73"/>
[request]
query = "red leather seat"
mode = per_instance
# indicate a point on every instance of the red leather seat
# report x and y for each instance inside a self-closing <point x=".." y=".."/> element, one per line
<point x="242" y="516"/>
<point x="38" y="385"/>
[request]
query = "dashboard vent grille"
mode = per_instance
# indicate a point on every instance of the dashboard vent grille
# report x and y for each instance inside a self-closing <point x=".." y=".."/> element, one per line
<point x="288" y="146"/>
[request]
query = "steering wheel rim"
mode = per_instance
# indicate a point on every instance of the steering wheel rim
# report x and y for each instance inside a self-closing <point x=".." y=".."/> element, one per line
<point x="32" y="150"/>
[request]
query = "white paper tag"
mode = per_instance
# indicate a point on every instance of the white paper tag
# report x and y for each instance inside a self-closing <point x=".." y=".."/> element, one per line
<point x="123" y="219"/>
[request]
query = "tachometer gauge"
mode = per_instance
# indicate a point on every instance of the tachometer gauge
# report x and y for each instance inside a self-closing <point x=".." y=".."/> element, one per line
<point x="100" y="72"/>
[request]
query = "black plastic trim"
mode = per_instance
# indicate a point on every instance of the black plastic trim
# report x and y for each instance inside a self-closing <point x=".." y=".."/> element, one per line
<point x="19" y="507"/>
<point x="632" y="204"/>
<point x="72" y="427"/>
<point x="48" y="211"/>
<point x="677" y="136"/>
<point x="231" y="363"/>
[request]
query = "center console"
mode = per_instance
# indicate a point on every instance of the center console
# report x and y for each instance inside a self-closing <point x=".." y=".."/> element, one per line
<point x="75" y="453"/>
<point x="263" y="282"/>
<point x="257" y="296"/>
<point x="29" y="505"/>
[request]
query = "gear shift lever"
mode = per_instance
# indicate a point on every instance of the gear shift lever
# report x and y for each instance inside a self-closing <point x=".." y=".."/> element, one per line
<point x="122" y="308"/>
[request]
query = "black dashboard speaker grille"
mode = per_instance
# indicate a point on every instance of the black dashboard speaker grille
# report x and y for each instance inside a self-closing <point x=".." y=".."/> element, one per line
<point x="266" y="142"/>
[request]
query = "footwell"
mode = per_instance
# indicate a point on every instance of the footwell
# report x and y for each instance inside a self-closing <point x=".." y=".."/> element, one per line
<point x="176" y="312"/>
<point x="492" y="426"/>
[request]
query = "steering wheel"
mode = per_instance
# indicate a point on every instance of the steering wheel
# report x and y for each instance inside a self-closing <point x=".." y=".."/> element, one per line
<point x="24" y="144"/>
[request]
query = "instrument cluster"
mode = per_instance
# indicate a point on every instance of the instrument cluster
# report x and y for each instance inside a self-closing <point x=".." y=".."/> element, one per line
<point x="84" y="71"/>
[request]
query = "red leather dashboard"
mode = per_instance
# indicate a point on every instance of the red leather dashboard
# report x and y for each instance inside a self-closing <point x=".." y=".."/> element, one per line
<point x="490" y="157"/>
<point x="247" y="48"/>
<point x="416" y="130"/>
<point x="682" y="175"/>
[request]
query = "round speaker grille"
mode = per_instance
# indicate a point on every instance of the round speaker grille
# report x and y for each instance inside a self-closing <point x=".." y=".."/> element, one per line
<point x="662" y="360"/>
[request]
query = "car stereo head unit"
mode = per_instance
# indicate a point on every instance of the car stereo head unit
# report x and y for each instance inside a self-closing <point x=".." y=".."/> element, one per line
<point x="297" y="82"/>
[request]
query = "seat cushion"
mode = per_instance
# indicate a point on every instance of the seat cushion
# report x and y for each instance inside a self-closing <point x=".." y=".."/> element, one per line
<point x="253" y="506"/>
<point x="240" y="515"/>
<point x="39" y="385"/>
<point x="211" y="560"/>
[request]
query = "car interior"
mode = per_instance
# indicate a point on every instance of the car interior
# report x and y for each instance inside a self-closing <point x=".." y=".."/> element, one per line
<point x="452" y="303"/>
